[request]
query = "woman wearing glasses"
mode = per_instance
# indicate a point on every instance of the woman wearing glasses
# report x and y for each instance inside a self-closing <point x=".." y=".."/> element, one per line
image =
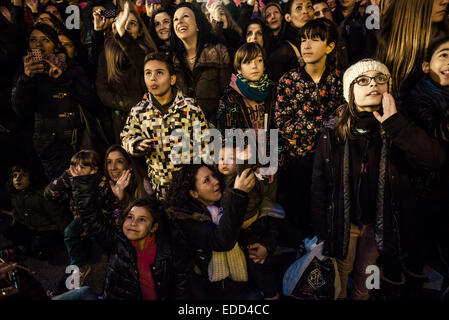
<point x="360" y="181"/>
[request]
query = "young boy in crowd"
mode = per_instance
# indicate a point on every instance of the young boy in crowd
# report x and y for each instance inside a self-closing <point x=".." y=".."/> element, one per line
<point x="37" y="222"/>
<point x="83" y="162"/>
<point x="259" y="234"/>
<point x="149" y="127"/>
<point x="247" y="100"/>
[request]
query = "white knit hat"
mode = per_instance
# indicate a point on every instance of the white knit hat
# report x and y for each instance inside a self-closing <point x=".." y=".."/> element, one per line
<point x="357" y="69"/>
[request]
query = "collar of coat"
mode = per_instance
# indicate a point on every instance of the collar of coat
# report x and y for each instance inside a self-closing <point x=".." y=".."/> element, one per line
<point x="213" y="55"/>
<point x="179" y="103"/>
<point x="194" y="210"/>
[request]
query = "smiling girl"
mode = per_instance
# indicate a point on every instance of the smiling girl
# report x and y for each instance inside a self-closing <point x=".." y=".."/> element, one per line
<point x="140" y="265"/>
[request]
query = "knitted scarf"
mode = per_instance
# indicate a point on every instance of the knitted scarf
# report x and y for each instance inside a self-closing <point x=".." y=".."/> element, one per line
<point x="255" y="90"/>
<point x="226" y="264"/>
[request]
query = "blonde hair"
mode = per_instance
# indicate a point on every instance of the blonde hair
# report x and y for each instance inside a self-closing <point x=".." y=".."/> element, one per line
<point x="404" y="37"/>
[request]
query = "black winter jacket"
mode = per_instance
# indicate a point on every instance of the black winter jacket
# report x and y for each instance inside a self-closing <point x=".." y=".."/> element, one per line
<point x="30" y="208"/>
<point x="122" y="278"/>
<point x="405" y="148"/>
<point x="53" y="103"/>
<point x="195" y="236"/>
<point x="429" y="109"/>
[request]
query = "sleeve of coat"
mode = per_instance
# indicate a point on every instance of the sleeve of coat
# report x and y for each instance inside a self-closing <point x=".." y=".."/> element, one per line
<point x="60" y="188"/>
<point x="107" y="96"/>
<point x="24" y="96"/>
<point x="319" y="190"/>
<point x="96" y="224"/>
<point x="290" y="119"/>
<point x="132" y="50"/>
<point x="208" y="236"/>
<point x="132" y="133"/>
<point x="200" y="124"/>
<point x="424" y="115"/>
<point x="421" y="150"/>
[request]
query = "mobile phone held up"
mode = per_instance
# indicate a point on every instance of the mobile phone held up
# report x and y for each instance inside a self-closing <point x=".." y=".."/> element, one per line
<point x="37" y="58"/>
<point x="154" y="1"/>
<point x="108" y="13"/>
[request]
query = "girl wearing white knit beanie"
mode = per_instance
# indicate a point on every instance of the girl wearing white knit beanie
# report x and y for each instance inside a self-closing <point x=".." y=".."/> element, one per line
<point x="360" y="182"/>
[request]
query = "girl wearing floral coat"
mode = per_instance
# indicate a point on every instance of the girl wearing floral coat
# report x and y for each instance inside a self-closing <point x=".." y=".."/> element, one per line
<point x="306" y="98"/>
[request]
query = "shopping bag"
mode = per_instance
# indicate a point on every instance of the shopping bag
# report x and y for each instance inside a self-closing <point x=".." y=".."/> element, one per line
<point x="313" y="276"/>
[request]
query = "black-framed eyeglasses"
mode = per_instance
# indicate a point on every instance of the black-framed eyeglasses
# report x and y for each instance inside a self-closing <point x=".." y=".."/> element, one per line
<point x="366" y="80"/>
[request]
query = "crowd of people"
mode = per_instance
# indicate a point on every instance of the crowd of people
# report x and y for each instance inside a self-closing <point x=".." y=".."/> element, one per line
<point x="89" y="117"/>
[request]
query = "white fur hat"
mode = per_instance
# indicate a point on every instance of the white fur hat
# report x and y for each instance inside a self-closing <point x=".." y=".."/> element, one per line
<point x="357" y="69"/>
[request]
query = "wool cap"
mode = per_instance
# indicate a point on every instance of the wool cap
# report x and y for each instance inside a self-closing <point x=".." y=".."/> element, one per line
<point x="357" y="69"/>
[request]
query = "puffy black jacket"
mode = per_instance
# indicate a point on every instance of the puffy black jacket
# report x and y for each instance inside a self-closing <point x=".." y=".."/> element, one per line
<point x="195" y="236"/>
<point x="407" y="148"/>
<point x="122" y="278"/>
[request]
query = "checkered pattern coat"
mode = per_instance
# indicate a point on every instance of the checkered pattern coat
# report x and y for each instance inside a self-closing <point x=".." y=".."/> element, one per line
<point x="145" y="121"/>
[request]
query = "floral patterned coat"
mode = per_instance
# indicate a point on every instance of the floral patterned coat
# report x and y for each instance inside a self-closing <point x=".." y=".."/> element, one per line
<point x="303" y="106"/>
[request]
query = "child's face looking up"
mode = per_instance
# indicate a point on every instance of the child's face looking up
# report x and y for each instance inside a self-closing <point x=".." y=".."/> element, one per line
<point x="20" y="180"/>
<point x="438" y="67"/>
<point x="252" y="70"/>
<point x="314" y="50"/>
<point x="157" y="78"/>
<point x="227" y="165"/>
<point x="138" y="224"/>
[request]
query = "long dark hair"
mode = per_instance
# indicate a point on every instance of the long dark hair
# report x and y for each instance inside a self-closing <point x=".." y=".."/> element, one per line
<point x="326" y="30"/>
<point x="205" y="35"/>
<point x="136" y="186"/>
<point x="183" y="181"/>
<point x="116" y="58"/>
<point x="58" y="25"/>
<point x="152" y="26"/>
<point x="266" y="33"/>
<point x="50" y="33"/>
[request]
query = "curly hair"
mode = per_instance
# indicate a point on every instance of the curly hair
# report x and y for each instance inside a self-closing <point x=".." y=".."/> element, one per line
<point x="183" y="181"/>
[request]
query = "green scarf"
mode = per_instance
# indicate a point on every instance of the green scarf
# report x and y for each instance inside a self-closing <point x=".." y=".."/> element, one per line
<point x="256" y="91"/>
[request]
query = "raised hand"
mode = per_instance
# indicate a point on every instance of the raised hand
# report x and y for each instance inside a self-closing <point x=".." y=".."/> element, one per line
<point x="246" y="181"/>
<point x="33" y="5"/>
<point x="99" y="21"/>
<point x="120" y="23"/>
<point x="388" y="106"/>
<point x="151" y="8"/>
<point x="145" y="145"/>
<point x="32" y="67"/>
<point x="54" y="71"/>
<point x="119" y="187"/>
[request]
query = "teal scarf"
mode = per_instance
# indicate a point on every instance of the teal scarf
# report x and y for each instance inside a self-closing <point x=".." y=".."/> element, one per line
<point x="256" y="91"/>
